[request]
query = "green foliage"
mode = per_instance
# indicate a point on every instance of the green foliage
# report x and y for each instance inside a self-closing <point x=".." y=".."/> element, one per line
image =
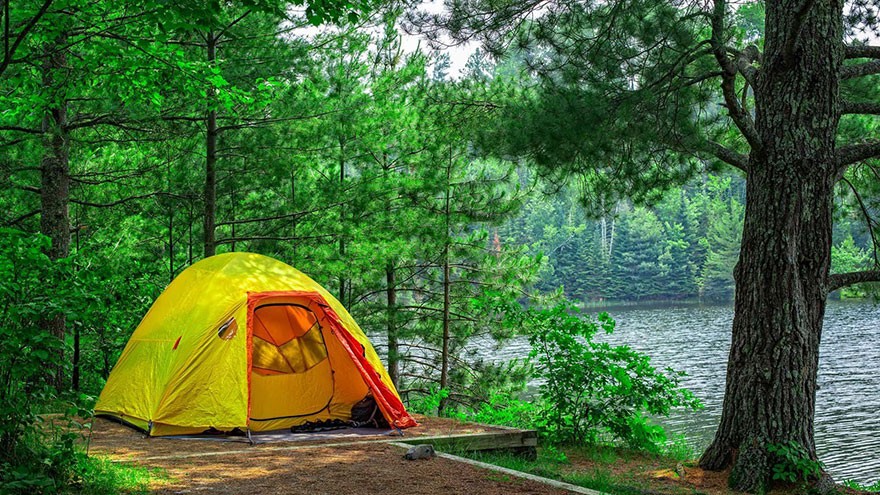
<point x="680" y="449"/>
<point x="592" y="391"/>
<point x="725" y="209"/>
<point x="56" y="464"/>
<point x="792" y="463"/>
<point x="855" y="485"/>
<point x="41" y="453"/>
<point x="27" y="290"/>
<point x="553" y="463"/>
<point x="503" y="409"/>
<point x="428" y="403"/>
<point x="846" y="256"/>
<point x="684" y="247"/>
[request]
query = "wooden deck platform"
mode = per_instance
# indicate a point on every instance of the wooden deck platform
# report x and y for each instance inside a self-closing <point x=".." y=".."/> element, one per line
<point x="495" y="438"/>
<point x="446" y="435"/>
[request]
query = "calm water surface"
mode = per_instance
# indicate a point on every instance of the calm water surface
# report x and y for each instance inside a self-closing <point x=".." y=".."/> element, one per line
<point x="696" y="339"/>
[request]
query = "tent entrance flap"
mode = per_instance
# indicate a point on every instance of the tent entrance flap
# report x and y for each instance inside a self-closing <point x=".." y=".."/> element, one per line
<point x="291" y="374"/>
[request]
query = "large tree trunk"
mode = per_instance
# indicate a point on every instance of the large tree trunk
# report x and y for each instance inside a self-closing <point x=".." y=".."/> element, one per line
<point x="55" y="183"/>
<point x="785" y="255"/>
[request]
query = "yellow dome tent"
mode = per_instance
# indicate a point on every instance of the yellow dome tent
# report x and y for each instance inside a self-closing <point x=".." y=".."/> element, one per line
<point x="241" y="340"/>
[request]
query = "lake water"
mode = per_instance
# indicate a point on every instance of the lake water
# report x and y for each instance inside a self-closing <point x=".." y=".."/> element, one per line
<point x="696" y="339"/>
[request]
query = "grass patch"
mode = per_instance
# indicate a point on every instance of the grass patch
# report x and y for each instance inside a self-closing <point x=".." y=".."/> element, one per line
<point x="621" y="471"/>
<point x="855" y="485"/>
<point x="502" y="478"/>
<point x="83" y="474"/>
<point x="608" y="469"/>
<point x="100" y="476"/>
<point x="50" y="456"/>
<point x="554" y="464"/>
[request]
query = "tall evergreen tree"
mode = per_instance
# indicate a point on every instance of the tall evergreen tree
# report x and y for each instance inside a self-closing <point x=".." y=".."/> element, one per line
<point x="633" y="91"/>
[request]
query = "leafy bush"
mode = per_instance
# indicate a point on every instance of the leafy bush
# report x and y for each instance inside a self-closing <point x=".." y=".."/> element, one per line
<point x="40" y="453"/>
<point x="592" y="391"/>
<point x="25" y="347"/>
<point x="47" y="463"/>
<point x="589" y="391"/>
<point x="45" y="459"/>
<point x="793" y="463"/>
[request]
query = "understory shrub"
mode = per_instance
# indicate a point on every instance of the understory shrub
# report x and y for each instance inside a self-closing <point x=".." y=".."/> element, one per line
<point x="793" y="463"/>
<point x="43" y="464"/>
<point x="26" y="283"/>
<point x="588" y="391"/>
<point x="593" y="391"/>
<point x="42" y="452"/>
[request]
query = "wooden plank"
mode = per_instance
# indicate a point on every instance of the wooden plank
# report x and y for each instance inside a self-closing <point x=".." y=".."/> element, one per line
<point x="492" y="467"/>
<point x="521" y="442"/>
<point x="481" y="441"/>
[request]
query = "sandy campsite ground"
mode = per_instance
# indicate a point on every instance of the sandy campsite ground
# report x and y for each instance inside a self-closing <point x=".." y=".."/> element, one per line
<point x="363" y="465"/>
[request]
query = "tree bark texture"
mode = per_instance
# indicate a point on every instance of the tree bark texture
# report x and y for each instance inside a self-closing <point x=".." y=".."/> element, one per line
<point x="393" y="345"/>
<point x="444" y="357"/>
<point x="342" y="219"/>
<point x="55" y="180"/>
<point x="293" y="206"/>
<point x="170" y="245"/>
<point x="785" y="254"/>
<point x="76" y="359"/>
<point x="211" y="161"/>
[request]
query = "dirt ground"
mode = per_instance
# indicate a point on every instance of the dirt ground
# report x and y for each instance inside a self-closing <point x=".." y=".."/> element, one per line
<point x="309" y="468"/>
<point x="361" y="469"/>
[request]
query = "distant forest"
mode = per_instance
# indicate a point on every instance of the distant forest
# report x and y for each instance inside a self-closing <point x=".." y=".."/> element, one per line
<point x="682" y="247"/>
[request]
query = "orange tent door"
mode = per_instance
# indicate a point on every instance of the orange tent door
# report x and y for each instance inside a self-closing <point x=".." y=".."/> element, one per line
<point x="306" y="364"/>
<point x="292" y="374"/>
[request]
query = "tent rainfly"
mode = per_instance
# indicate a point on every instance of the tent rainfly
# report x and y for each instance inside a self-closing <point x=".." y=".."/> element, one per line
<point x="240" y="340"/>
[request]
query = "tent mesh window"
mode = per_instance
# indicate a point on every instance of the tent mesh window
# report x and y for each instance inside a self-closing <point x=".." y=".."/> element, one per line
<point x="287" y="339"/>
